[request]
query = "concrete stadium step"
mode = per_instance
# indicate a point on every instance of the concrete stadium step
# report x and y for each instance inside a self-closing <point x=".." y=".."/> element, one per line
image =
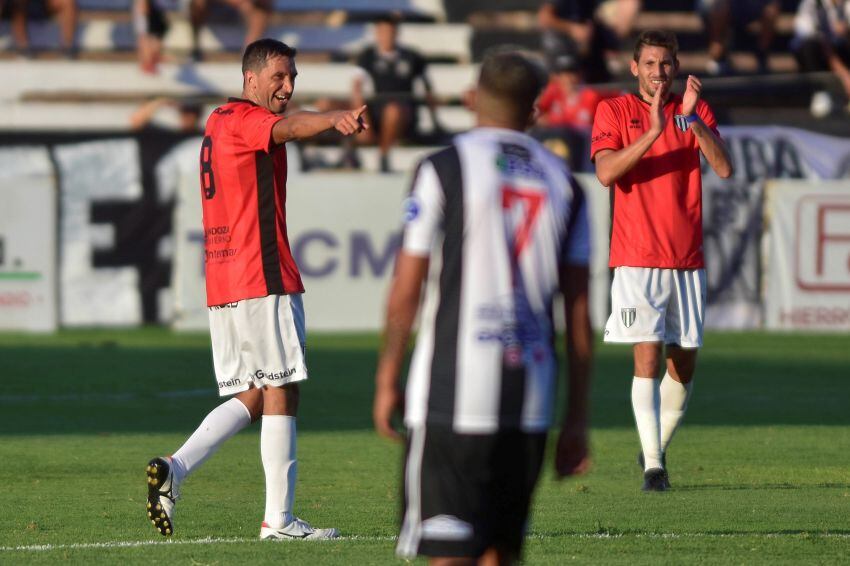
<point x="410" y="9"/>
<point x="448" y="42"/>
<point x="110" y="81"/>
<point x="115" y="117"/>
<point x="402" y="159"/>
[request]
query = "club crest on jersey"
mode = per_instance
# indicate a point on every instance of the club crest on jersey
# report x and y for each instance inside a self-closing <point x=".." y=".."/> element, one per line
<point x="628" y="316"/>
<point x="681" y="122"/>
<point x="411" y="209"/>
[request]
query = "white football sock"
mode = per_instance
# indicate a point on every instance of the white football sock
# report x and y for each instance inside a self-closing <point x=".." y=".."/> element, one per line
<point x="646" y="404"/>
<point x="220" y="424"/>
<point x="674" y="403"/>
<point x="277" y="448"/>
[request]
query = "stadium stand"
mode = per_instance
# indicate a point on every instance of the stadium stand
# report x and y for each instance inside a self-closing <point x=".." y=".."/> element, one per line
<point x="99" y="91"/>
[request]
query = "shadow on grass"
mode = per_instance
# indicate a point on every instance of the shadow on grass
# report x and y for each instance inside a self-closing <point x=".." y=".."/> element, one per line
<point x="110" y="387"/>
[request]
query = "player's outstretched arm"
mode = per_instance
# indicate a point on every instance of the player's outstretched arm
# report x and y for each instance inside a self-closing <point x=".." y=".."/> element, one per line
<point x="302" y="125"/>
<point x="572" y="455"/>
<point x="410" y="271"/>
<point x="613" y="164"/>
<point x="711" y="146"/>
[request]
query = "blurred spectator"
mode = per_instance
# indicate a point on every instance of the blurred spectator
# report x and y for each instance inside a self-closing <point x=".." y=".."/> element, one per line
<point x="188" y="115"/>
<point x="822" y="43"/>
<point x="392" y="70"/>
<point x="569" y="26"/>
<point x="619" y="16"/>
<point x="65" y="12"/>
<point x="566" y="101"/>
<point x="254" y="12"/>
<point x="722" y="17"/>
<point x="150" y="25"/>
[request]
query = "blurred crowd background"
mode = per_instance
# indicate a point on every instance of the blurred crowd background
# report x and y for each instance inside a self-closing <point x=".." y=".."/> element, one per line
<point x="138" y="63"/>
<point x="104" y="103"/>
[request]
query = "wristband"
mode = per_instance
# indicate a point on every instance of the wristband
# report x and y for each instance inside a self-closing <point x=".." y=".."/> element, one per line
<point x="684" y="121"/>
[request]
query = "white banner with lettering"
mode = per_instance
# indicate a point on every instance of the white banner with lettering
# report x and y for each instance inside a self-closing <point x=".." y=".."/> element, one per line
<point x="344" y="230"/>
<point x="96" y="172"/>
<point x="733" y="211"/>
<point x="808" y="276"/>
<point x="27" y="240"/>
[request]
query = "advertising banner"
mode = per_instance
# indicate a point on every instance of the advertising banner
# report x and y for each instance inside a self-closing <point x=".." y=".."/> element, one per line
<point x="733" y="211"/>
<point x="808" y="275"/>
<point x="27" y="240"/>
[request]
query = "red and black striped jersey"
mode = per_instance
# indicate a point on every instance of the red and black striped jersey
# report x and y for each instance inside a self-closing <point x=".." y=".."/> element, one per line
<point x="243" y="191"/>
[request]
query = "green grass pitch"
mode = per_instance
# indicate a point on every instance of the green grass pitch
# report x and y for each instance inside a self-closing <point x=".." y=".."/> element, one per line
<point x="760" y="470"/>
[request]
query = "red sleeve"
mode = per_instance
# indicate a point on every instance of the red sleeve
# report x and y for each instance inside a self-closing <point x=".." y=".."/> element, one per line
<point x="606" y="129"/>
<point x="707" y="116"/>
<point x="591" y="101"/>
<point x="546" y="99"/>
<point x="255" y="128"/>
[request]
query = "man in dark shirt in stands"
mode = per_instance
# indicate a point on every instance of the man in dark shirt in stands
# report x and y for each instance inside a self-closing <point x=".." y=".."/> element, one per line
<point x="570" y="26"/>
<point x="393" y="69"/>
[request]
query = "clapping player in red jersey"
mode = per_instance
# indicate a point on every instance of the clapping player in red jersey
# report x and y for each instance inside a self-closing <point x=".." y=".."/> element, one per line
<point x="647" y="148"/>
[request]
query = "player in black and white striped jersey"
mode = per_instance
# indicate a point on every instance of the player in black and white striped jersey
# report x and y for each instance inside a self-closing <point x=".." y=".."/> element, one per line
<point x="495" y="226"/>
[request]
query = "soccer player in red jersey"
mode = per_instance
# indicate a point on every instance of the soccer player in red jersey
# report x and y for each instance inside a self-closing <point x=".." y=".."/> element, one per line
<point x="253" y="286"/>
<point x="646" y="148"/>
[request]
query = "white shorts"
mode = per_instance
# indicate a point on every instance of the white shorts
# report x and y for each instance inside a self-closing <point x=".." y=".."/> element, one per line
<point x="657" y="305"/>
<point x="258" y="341"/>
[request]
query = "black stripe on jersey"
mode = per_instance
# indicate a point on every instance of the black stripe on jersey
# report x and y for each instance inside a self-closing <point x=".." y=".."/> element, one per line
<point x="268" y="228"/>
<point x="441" y="397"/>
<point x="575" y="206"/>
<point x="512" y="394"/>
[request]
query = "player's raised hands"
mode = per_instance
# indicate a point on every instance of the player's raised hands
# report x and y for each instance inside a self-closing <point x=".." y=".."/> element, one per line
<point x="657" y="119"/>
<point x="349" y="122"/>
<point x="693" y="88"/>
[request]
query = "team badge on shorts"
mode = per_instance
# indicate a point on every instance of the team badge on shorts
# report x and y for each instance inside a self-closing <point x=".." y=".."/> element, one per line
<point x="628" y="316"/>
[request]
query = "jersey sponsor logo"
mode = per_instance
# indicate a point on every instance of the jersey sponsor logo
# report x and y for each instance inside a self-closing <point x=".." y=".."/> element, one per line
<point x="628" y="316"/>
<point x="516" y="328"/>
<point x="411" y="208"/>
<point x="217" y="235"/>
<point x="402" y="68"/>
<point x="600" y="136"/>
<point x="220" y="256"/>
<point x="229" y="383"/>
<point x="516" y="161"/>
<point x="274" y="376"/>
<point x="446" y="527"/>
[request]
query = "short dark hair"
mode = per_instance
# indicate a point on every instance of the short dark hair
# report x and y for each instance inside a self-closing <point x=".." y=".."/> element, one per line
<point x="514" y="79"/>
<point x="393" y="18"/>
<point x="259" y="52"/>
<point x="657" y="38"/>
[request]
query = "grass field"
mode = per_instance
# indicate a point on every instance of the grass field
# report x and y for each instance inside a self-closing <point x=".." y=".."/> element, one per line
<point x="760" y="470"/>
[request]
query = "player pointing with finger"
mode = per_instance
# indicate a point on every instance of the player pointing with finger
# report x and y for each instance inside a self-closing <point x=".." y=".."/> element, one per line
<point x="253" y="287"/>
<point x="646" y="148"/>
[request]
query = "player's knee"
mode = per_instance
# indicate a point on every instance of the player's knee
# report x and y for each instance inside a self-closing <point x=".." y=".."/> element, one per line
<point x="647" y="359"/>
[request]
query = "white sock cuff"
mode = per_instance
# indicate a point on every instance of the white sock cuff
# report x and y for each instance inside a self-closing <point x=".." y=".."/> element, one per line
<point x="668" y="381"/>
<point x="278" y="421"/>
<point x="238" y="406"/>
<point x="646" y="388"/>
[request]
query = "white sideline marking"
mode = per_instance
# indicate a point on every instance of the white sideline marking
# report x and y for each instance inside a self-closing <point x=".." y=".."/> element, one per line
<point x="240" y="540"/>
